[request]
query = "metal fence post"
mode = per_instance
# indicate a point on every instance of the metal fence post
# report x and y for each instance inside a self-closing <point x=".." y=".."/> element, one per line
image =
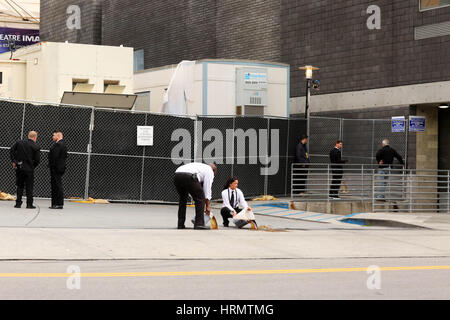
<point x="292" y="181"/>
<point x="89" y="152"/>
<point x="410" y="191"/>
<point x="328" y="184"/>
<point x="143" y="167"/>
<point x="232" y="147"/>
<point x="287" y="155"/>
<point x="266" y="177"/>
<point x="362" y="184"/>
<point x="23" y="120"/>
<point x="448" y="191"/>
<point x="373" y="190"/>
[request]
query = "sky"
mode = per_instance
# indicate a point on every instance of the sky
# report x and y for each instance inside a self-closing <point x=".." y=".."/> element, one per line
<point x="31" y="6"/>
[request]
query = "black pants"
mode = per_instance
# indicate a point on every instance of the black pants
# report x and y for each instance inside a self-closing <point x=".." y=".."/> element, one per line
<point x="25" y="180"/>
<point x="301" y="180"/>
<point x="336" y="182"/>
<point x="187" y="185"/>
<point x="57" y="188"/>
<point x="227" y="214"/>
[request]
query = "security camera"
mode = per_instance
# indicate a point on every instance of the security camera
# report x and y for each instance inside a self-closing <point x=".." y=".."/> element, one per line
<point x="316" y="85"/>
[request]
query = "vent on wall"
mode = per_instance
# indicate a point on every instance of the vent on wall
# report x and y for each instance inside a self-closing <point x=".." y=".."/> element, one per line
<point x="432" y="30"/>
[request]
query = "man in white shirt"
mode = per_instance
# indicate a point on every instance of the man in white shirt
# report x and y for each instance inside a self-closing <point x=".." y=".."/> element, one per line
<point x="195" y="179"/>
<point x="232" y="198"/>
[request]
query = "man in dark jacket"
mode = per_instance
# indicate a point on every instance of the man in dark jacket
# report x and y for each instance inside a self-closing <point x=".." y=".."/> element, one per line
<point x="385" y="158"/>
<point x="337" y="169"/>
<point x="304" y="160"/>
<point x="57" y="163"/>
<point x="386" y="155"/>
<point x="25" y="157"/>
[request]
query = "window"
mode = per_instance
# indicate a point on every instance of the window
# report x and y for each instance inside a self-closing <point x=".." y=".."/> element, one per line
<point x="1" y="77"/>
<point x="113" y="86"/>
<point x="433" y="4"/>
<point x="81" y="85"/>
<point x="142" y="101"/>
<point x="139" y="60"/>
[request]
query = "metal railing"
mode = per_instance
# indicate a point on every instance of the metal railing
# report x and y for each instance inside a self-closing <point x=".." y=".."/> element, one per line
<point x="411" y="190"/>
<point x="391" y="189"/>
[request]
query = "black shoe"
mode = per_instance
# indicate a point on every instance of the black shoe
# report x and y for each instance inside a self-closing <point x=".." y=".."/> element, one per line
<point x="201" y="228"/>
<point x="56" y="207"/>
<point x="18" y="206"/>
<point x="181" y="227"/>
<point x="226" y="225"/>
<point x="31" y="207"/>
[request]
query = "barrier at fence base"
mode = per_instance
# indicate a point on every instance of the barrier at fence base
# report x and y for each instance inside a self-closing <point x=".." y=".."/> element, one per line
<point x="89" y="201"/>
<point x="265" y="198"/>
<point x="6" y="197"/>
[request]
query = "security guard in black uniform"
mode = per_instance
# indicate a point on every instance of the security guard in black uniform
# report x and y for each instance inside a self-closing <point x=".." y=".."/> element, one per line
<point x="337" y="169"/>
<point x="57" y="163"/>
<point x="25" y="157"/>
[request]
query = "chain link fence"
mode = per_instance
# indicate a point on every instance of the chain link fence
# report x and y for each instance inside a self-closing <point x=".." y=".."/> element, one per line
<point x="106" y="162"/>
<point x="362" y="139"/>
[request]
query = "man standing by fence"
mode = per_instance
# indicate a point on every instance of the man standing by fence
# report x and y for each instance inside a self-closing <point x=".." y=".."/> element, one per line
<point x="195" y="179"/>
<point x="57" y="163"/>
<point x="304" y="160"/>
<point x="385" y="159"/>
<point x="337" y="169"/>
<point x="25" y="157"/>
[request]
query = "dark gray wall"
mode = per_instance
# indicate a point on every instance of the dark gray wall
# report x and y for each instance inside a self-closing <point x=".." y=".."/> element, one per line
<point x="333" y="35"/>
<point x="248" y="29"/>
<point x="54" y="17"/>
<point x="168" y="30"/>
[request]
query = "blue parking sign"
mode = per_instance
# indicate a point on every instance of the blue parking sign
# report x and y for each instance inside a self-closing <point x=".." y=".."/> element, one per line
<point x="417" y="124"/>
<point x="398" y="124"/>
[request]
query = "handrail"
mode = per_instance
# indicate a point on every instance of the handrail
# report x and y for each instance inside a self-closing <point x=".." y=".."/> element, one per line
<point x="388" y="189"/>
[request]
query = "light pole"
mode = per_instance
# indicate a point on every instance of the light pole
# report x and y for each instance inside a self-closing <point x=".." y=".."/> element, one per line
<point x="309" y="85"/>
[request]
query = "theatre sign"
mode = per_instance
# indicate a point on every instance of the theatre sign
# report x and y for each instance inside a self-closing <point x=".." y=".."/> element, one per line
<point x="21" y="38"/>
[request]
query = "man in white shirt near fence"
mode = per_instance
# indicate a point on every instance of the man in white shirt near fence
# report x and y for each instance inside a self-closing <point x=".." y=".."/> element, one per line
<point x="195" y="179"/>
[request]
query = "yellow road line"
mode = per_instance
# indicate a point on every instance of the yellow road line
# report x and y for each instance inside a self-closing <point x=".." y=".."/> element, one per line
<point x="214" y="273"/>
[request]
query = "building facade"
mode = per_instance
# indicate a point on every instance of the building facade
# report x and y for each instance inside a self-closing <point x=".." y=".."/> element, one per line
<point x="45" y="72"/>
<point x="377" y="59"/>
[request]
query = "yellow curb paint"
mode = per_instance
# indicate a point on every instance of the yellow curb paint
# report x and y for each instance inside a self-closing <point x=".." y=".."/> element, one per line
<point x="214" y="273"/>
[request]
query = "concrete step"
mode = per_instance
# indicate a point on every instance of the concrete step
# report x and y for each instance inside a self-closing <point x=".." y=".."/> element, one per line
<point x="338" y="207"/>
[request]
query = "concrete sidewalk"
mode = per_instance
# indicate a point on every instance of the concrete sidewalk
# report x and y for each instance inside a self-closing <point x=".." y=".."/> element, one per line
<point x="147" y="232"/>
<point x="284" y="209"/>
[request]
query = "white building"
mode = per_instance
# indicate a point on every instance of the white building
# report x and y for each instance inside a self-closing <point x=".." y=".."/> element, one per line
<point x="216" y="87"/>
<point x="45" y="72"/>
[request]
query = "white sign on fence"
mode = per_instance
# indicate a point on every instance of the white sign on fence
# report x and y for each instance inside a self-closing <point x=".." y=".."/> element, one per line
<point x="144" y="136"/>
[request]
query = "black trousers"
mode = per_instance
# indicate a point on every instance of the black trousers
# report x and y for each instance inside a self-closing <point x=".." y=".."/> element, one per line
<point x="301" y="180"/>
<point x="227" y="214"/>
<point x="57" y="188"/>
<point x="336" y="182"/>
<point x="24" y="180"/>
<point x="187" y="185"/>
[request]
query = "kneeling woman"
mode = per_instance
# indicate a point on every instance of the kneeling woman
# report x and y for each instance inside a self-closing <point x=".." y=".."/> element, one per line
<point x="233" y="198"/>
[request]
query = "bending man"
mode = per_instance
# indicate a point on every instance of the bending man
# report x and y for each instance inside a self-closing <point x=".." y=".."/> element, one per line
<point x="195" y="179"/>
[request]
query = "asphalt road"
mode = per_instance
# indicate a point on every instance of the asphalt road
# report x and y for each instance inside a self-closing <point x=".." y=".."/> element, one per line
<point x="135" y="252"/>
<point x="237" y="280"/>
